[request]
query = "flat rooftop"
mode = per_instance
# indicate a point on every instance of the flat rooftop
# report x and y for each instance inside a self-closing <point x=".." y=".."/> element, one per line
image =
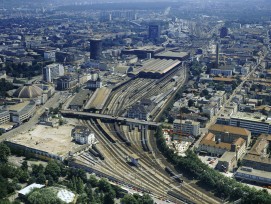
<point x="255" y="172"/>
<point x="18" y="107"/>
<point x="160" y="66"/>
<point x="98" y="99"/>
<point x="256" y="117"/>
<point x="173" y="54"/>
<point x="79" y="98"/>
<point x="146" y="48"/>
<point x="57" y="140"/>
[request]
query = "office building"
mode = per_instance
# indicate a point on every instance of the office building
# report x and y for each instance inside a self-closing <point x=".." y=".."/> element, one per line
<point x="4" y="116"/>
<point x="256" y="123"/>
<point x="187" y="127"/>
<point x="52" y="71"/>
<point x="66" y="82"/>
<point x="95" y="49"/>
<point x="154" y="32"/>
<point x="223" y="32"/>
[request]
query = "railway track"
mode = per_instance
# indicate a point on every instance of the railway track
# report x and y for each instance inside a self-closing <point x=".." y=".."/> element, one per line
<point x="160" y="178"/>
<point x="113" y="143"/>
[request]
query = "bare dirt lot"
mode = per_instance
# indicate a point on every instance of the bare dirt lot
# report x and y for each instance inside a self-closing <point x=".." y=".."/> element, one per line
<point x="54" y="140"/>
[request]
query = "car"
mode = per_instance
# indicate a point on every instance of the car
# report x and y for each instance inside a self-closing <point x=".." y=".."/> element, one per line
<point x="209" y="159"/>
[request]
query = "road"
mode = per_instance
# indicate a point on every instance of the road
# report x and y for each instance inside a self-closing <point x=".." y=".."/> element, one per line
<point x="238" y="89"/>
<point x="52" y="102"/>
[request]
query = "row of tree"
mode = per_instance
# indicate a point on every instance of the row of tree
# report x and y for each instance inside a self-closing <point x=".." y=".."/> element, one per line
<point x="90" y="190"/>
<point x="224" y="187"/>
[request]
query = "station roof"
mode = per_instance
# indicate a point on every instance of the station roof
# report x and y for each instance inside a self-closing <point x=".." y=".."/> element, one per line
<point x="160" y="66"/>
<point x="80" y="97"/>
<point x="98" y="99"/>
<point x="172" y="54"/>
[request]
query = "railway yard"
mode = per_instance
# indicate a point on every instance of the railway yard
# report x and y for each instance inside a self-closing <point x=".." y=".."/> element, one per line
<point x="120" y="140"/>
<point x="126" y="150"/>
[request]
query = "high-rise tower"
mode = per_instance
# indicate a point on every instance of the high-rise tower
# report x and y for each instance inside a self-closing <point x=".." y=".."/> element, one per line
<point x="95" y="49"/>
<point x="154" y="32"/>
<point x="223" y="32"/>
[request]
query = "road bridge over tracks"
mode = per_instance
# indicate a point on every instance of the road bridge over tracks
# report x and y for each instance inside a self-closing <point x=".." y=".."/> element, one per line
<point x="87" y="115"/>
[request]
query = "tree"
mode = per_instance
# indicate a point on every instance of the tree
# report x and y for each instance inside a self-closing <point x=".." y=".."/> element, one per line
<point x="92" y="181"/>
<point x="41" y="179"/>
<point x="146" y="199"/>
<point x="24" y="166"/>
<point x="53" y="170"/>
<point x="129" y="199"/>
<point x="104" y="186"/>
<point x="42" y="196"/>
<point x="82" y="198"/>
<point x="5" y="201"/>
<point x="88" y="190"/>
<point x="109" y="197"/>
<point x="22" y="175"/>
<point x="4" y="153"/>
<point x="37" y="170"/>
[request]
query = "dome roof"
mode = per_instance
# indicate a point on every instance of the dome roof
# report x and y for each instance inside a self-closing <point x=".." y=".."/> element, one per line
<point x="28" y="91"/>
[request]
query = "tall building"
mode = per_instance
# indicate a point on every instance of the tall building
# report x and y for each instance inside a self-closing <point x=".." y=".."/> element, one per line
<point x="154" y="32"/>
<point x="52" y="71"/>
<point x="95" y="49"/>
<point x="223" y="32"/>
<point x="188" y="127"/>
